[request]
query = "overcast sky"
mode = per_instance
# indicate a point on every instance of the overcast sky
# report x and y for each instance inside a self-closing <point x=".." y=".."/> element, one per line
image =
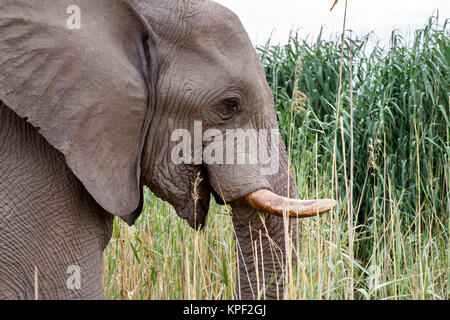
<point x="262" y="17"/>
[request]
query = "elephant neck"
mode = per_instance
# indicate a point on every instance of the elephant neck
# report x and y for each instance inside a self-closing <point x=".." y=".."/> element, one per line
<point x="154" y="156"/>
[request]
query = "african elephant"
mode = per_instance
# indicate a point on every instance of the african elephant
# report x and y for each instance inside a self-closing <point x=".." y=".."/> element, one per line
<point x="86" y="116"/>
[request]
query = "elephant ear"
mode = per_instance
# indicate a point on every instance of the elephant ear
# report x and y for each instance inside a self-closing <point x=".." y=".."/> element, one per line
<point x="84" y="89"/>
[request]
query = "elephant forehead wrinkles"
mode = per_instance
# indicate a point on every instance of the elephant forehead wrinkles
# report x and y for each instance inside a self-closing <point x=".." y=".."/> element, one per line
<point x="218" y="33"/>
<point x="170" y="20"/>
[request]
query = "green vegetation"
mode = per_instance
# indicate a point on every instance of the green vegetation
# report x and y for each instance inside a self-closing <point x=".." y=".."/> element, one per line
<point x="389" y="237"/>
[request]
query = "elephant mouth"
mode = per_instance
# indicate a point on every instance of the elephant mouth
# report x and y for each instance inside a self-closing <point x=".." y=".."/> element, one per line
<point x="196" y="208"/>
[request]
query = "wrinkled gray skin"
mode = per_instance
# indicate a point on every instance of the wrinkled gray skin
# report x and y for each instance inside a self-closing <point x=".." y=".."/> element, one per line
<point x="85" y="121"/>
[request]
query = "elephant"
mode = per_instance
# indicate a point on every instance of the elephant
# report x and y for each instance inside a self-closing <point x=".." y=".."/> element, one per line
<point x="87" y="115"/>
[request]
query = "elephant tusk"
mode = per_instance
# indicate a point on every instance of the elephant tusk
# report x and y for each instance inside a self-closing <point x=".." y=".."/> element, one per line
<point x="274" y="204"/>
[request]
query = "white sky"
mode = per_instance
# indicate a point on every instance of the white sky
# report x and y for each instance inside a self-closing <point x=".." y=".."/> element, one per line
<point x="262" y="17"/>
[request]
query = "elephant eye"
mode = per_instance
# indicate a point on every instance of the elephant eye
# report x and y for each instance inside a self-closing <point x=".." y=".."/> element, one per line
<point x="225" y="109"/>
<point x="229" y="109"/>
<point x="231" y="104"/>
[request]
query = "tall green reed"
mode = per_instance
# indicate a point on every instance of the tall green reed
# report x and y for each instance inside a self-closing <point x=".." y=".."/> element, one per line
<point x="401" y="120"/>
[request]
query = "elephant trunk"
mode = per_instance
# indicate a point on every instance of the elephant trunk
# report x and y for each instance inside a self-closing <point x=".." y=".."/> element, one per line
<point x="261" y="253"/>
<point x="265" y="242"/>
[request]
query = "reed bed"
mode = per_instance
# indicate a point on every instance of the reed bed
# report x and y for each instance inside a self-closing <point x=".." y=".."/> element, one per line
<point x="384" y="154"/>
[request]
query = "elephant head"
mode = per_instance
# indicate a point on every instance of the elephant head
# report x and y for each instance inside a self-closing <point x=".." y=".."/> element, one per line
<point x="112" y="94"/>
